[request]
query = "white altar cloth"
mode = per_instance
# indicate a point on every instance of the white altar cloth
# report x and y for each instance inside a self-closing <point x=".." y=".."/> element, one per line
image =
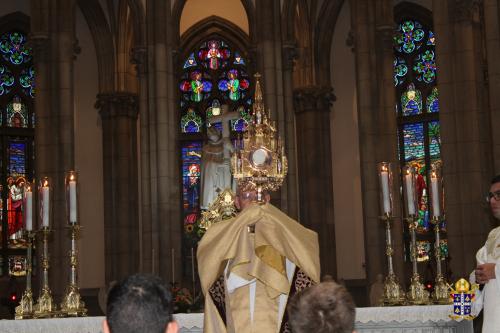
<point x="433" y="318"/>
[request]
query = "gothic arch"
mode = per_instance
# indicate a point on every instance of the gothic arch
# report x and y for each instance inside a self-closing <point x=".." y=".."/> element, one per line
<point x="324" y="31"/>
<point x="179" y="7"/>
<point x="103" y="41"/>
<point x="409" y="9"/>
<point x="214" y="26"/>
<point x="16" y="20"/>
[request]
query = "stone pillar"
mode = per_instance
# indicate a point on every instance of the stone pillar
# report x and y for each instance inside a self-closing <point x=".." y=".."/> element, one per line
<point x="119" y="113"/>
<point x="492" y="41"/>
<point x="465" y="135"/>
<point x="377" y="126"/>
<point x="52" y="35"/>
<point x="312" y="112"/>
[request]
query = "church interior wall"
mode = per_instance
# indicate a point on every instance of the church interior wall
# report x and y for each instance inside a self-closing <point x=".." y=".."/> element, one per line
<point x="197" y="10"/>
<point x="349" y="235"/>
<point x="88" y="159"/>
<point x="8" y="7"/>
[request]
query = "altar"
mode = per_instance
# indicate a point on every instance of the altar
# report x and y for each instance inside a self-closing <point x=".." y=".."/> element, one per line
<point x="433" y="318"/>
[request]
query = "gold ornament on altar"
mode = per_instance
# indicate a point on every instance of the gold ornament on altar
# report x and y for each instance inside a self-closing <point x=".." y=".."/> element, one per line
<point x="221" y="209"/>
<point x="259" y="160"/>
<point x="463" y="297"/>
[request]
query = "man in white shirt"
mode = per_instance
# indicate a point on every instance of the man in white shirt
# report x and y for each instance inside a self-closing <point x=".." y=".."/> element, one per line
<point x="488" y="267"/>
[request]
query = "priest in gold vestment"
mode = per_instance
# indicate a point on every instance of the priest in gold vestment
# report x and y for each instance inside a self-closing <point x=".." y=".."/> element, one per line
<point x="251" y="264"/>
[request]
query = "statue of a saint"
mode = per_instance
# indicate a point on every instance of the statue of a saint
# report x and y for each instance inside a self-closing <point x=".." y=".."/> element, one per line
<point x="215" y="166"/>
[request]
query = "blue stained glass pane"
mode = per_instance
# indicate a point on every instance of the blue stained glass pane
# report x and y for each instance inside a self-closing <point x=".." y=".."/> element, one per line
<point x="434" y="140"/>
<point x="6" y="80"/>
<point x="431" y="40"/>
<point x="191" y="122"/>
<point x="17" y="113"/>
<point x="413" y="141"/>
<point x="17" y="158"/>
<point x="191" y="166"/>
<point x="27" y="81"/>
<point x="433" y="101"/>
<point x="190" y="62"/>
<point x="423" y="251"/>
<point x="425" y="67"/>
<point x="13" y="48"/>
<point x="411" y="101"/>
<point x="408" y="37"/>
<point x="400" y="70"/>
<point x="238" y="60"/>
<point x="223" y="86"/>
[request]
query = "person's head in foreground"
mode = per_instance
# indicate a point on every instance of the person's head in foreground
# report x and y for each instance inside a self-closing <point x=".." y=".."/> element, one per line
<point x="139" y="304"/>
<point x="323" y="308"/>
<point x="494" y="197"/>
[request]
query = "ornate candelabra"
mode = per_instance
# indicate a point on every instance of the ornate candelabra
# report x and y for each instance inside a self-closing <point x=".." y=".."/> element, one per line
<point x="72" y="304"/>
<point x="416" y="294"/>
<point x="393" y="292"/>
<point x="25" y="308"/>
<point x="45" y="306"/>
<point x="441" y="294"/>
<point x="260" y="162"/>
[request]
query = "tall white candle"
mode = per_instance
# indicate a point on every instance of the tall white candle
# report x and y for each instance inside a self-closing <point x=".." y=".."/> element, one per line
<point x="436" y="209"/>
<point x="72" y="201"/>
<point x="409" y="194"/>
<point x="45" y="206"/>
<point x="28" y="210"/>
<point x="384" y="179"/>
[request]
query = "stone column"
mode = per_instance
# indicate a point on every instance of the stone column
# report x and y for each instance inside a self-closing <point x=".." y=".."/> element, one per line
<point x="377" y="125"/>
<point x="465" y="136"/>
<point x="312" y="112"/>
<point x="119" y="111"/>
<point x="492" y="41"/>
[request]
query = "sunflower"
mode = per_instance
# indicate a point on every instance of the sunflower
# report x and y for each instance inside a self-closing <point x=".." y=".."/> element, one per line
<point x="189" y="228"/>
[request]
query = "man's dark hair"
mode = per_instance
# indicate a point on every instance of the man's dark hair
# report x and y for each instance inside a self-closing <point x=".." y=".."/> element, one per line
<point x="140" y="303"/>
<point x="495" y="179"/>
<point x="324" y="308"/>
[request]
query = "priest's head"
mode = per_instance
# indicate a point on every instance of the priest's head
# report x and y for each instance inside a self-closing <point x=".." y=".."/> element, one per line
<point x="323" y="308"/>
<point x="139" y="303"/>
<point x="493" y="197"/>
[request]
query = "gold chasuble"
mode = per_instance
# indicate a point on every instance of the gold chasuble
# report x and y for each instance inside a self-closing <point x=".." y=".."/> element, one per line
<point x="250" y="265"/>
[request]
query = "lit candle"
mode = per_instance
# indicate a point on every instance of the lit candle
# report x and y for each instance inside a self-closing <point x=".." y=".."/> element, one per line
<point x="409" y="192"/>
<point x="45" y="204"/>
<point x="436" y="210"/>
<point x="72" y="199"/>
<point x="384" y="180"/>
<point x="28" y="208"/>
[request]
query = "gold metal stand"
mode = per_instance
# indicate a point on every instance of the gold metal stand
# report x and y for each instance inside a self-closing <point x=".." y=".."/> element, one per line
<point x="416" y="295"/>
<point x="72" y="304"/>
<point x="25" y="308"/>
<point x="393" y="292"/>
<point x="441" y="294"/>
<point x="45" y="307"/>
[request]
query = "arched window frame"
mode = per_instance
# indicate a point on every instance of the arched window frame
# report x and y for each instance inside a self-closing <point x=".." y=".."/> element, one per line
<point x="429" y="121"/>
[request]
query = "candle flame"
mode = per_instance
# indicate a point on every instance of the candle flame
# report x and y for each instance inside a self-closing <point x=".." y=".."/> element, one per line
<point x="45" y="183"/>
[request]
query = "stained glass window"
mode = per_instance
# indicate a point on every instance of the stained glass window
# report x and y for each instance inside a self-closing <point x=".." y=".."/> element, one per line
<point x="417" y="106"/>
<point x="17" y="121"/>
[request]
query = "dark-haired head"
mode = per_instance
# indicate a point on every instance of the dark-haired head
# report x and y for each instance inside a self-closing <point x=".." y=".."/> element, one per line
<point x="495" y="179"/>
<point x="324" y="308"/>
<point x="139" y="303"/>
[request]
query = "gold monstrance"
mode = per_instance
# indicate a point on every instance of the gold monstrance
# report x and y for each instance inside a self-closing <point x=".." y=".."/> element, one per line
<point x="259" y="161"/>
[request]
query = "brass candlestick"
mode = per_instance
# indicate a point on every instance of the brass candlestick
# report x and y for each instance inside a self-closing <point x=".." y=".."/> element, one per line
<point x="25" y="308"/>
<point x="72" y="304"/>
<point x="441" y="294"/>
<point x="393" y="292"/>
<point x="417" y="295"/>
<point x="45" y="306"/>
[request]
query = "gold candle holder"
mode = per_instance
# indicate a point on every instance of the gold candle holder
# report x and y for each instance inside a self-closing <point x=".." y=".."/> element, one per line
<point x="72" y="304"/>
<point x="393" y="292"/>
<point x="45" y="306"/>
<point x="416" y="295"/>
<point x="441" y="294"/>
<point x="25" y="308"/>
